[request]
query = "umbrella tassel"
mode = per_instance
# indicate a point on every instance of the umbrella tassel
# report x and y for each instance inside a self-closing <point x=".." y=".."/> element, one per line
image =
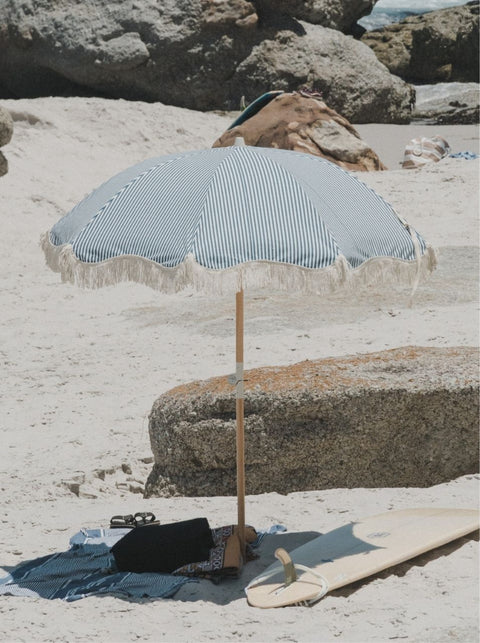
<point x="418" y="259"/>
<point x="285" y="277"/>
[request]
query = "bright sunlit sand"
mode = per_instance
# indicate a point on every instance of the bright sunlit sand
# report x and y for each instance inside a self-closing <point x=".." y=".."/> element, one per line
<point x="81" y="370"/>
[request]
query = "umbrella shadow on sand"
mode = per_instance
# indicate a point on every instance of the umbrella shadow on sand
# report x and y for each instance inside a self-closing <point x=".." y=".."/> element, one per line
<point x="339" y="543"/>
<point x="229" y="590"/>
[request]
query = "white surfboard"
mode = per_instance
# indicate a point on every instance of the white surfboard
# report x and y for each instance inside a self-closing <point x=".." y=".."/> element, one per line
<point x="355" y="551"/>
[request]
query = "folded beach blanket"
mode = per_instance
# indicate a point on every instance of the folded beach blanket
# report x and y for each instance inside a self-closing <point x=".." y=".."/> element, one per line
<point x="100" y="536"/>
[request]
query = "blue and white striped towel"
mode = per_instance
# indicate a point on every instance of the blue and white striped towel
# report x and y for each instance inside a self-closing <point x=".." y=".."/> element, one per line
<point x="85" y="570"/>
<point x="88" y="569"/>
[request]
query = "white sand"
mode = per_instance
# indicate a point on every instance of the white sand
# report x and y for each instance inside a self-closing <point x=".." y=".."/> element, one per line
<point x="81" y="371"/>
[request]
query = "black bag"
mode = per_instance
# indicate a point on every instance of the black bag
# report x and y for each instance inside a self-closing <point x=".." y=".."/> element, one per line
<point x="164" y="548"/>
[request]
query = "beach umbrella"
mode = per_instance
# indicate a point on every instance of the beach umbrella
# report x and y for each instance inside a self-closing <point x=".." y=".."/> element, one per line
<point x="225" y="219"/>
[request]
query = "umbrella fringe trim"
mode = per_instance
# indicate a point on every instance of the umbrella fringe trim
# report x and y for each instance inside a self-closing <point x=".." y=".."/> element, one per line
<point x="257" y="274"/>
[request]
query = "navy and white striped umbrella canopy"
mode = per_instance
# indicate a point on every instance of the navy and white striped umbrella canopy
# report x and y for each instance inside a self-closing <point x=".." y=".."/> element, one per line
<point x="217" y="218"/>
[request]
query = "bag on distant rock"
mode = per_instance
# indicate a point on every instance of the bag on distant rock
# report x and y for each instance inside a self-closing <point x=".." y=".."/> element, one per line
<point x="164" y="548"/>
<point x="423" y="150"/>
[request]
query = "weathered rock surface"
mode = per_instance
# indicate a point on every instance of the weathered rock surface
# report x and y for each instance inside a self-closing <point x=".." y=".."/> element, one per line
<point x="6" y="132"/>
<point x="350" y="80"/>
<point x="448" y="103"/>
<point x="305" y="124"/>
<point x="434" y="47"/>
<point x="335" y="14"/>
<point x="403" y="417"/>
<point x="196" y="54"/>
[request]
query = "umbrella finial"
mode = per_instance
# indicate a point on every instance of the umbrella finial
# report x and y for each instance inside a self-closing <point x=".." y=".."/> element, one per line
<point x="239" y="140"/>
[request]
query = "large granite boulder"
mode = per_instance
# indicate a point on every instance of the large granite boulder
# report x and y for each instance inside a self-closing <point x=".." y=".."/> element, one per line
<point x="195" y="54"/>
<point x="304" y="123"/>
<point x="351" y="81"/>
<point x="6" y="132"/>
<point x="401" y="417"/>
<point x="438" y="46"/>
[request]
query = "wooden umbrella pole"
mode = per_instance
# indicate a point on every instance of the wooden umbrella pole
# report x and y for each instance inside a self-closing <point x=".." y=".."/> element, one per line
<point x="240" y="426"/>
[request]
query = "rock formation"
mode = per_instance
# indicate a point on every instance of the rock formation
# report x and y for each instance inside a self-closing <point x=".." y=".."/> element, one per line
<point x="437" y="46"/>
<point x="199" y="54"/>
<point x="6" y="132"/>
<point x="334" y="14"/>
<point x="351" y="81"/>
<point x="402" y="417"/>
<point x="302" y="123"/>
<point x="448" y="103"/>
